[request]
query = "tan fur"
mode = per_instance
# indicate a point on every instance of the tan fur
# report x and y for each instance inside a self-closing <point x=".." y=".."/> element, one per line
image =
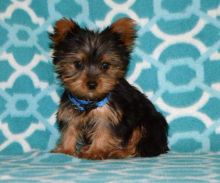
<point x="68" y="139"/>
<point x="80" y="55"/>
<point x="95" y="126"/>
<point x="105" y="146"/>
<point x="103" y="141"/>
<point x="61" y="28"/>
<point x="76" y="81"/>
<point x="126" y="28"/>
<point x="115" y="68"/>
<point x="131" y="149"/>
<point x="110" y="58"/>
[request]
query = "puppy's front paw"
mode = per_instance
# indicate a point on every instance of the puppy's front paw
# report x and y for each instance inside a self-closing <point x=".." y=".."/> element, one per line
<point x="63" y="151"/>
<point x="92" y="154"/>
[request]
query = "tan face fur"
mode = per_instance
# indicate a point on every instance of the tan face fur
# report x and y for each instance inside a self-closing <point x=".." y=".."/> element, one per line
<point x="90" y="63"/>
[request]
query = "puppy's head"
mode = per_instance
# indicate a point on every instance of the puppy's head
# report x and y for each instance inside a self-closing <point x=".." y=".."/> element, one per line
<point x="90" y="63"/>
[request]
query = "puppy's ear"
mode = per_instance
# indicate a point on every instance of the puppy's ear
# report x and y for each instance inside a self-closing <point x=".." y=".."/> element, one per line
<point x="61" y="28"/>
<point x="125" y="28"/>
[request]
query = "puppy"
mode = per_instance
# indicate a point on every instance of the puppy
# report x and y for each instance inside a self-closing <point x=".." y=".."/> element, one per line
<point x="101" y="115"/>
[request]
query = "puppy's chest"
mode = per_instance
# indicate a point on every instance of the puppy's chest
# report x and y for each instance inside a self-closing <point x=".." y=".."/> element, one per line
<point x="92" y="124"/>
<point x="96" y="119"/>
<point x="101" y="117"/>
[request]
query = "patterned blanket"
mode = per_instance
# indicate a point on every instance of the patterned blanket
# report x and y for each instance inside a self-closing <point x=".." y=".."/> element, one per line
<point x="176" y="62"/>
<point x="172" y="168"/>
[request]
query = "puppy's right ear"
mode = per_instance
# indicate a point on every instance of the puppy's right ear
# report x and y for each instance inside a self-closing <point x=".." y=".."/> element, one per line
<point x="61" y="28"/>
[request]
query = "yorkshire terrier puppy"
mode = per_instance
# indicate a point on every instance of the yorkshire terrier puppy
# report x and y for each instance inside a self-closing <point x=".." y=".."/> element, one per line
<point x="101" y="115"/>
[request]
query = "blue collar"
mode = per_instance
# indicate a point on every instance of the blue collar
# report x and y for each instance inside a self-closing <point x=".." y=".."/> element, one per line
<point x="85" y="105"/>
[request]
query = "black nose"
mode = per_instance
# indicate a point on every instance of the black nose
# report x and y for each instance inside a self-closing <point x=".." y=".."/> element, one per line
<point x="91" y="85"/>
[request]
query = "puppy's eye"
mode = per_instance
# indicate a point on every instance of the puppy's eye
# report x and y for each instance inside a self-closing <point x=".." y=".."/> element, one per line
<point x="78" y="65"/>
<point x="105" y="66"/>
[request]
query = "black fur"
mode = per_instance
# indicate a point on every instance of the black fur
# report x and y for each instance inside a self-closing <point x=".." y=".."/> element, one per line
<point x="137" y="111"/>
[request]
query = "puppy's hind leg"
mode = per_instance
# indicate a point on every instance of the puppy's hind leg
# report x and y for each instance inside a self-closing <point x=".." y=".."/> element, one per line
<point x="154" y="137"/>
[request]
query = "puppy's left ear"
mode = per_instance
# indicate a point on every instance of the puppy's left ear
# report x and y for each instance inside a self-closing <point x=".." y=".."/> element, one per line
<point x="125" y="28"/>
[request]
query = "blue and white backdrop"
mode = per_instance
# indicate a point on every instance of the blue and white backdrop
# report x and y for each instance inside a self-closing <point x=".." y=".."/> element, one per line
<point x="176" y="62"/>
